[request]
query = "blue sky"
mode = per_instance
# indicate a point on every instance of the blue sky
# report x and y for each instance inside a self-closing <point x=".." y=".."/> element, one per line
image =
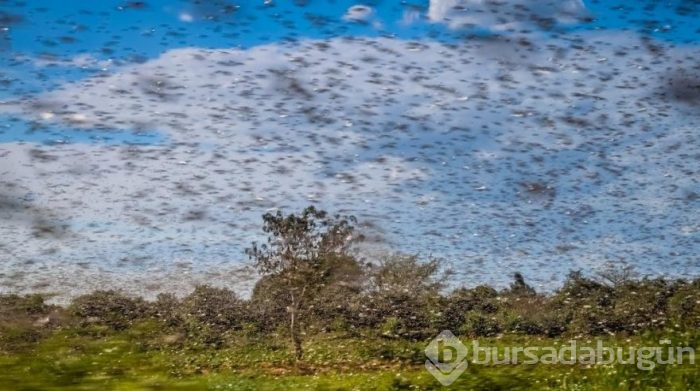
<point x="133" y="31"/>
<point x="556" y="138"/>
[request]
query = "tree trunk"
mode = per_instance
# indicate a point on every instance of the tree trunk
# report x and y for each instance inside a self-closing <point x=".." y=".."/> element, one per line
<point x="293" y="330"/>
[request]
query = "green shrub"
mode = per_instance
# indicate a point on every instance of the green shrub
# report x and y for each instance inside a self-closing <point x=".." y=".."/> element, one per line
<point x="478" y="324"/>
<point x="641" y="305"/>
<point x="391" y="327"/>
<point x="18" y="335"/>
<point x="24" y="320"/>
<point x="166" y="309"/>
<point x="684" y="306"/>
<point x="218" y="309"/>
<point x="24" y="305"/>
<point x="110" y="308"/>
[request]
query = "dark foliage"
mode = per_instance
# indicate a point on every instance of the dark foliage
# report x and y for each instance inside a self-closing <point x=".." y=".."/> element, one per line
<point x="398" y="298"/>
<point x="109" y="308"/>
<point x="312" y="283"/>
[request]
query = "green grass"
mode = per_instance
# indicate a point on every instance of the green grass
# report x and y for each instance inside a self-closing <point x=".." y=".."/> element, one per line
<point x="145" y="358"/>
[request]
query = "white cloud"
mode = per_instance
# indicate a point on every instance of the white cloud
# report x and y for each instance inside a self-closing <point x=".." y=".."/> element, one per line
<point x="508" y="14"/>
<point x="358" y="13"/>
<point x="186" y="17"/>
<point x="440" y="144"/>
<point x="83" y="61"/>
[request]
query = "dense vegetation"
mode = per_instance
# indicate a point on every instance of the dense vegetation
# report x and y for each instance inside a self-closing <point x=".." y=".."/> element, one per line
<point x="349" y="325"/>
<point x="397" y="300"/>
<point x="364" y="336"/>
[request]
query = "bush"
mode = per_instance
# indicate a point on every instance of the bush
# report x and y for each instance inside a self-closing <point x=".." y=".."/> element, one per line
<point x="641" y="305"/>
<point x="406" y="289"/>
<point x="460" y="302"/>
<point x="35" y="304"/>
<point x="24" y="320"/>
<point x="268" y="305"/>
<point x="17" y="335"/>
<point x="401" y="299"/>
<point x="684" y="305"/>
<point x="218" y="309"/>
<point x="391" y="327"/>
<point x="480" y="325"/>
<point x="110" y="308"/>
<point x="166" y="309"/>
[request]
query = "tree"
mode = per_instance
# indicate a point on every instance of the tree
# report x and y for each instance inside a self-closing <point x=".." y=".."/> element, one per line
<point x="519" y="287"/>
<point x="617" y="274"/>
<point x="404" y="293"/>
<point x="300" y="256"/>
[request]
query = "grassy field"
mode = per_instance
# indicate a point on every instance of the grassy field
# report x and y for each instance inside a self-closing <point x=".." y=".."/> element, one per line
<point x="143" y="358"/>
